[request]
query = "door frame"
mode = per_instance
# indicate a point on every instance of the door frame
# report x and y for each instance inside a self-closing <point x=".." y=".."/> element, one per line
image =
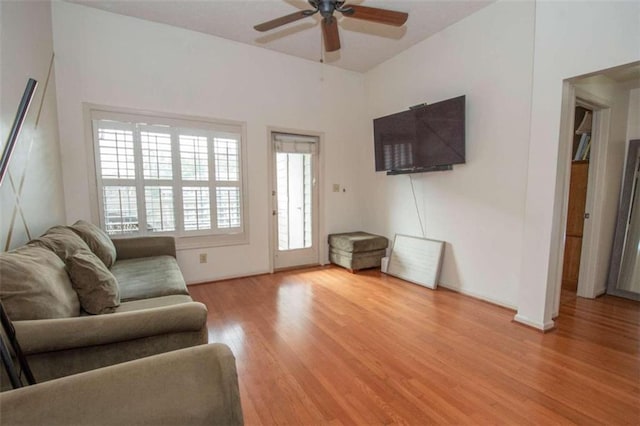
<point x="322" y="249"/>
<point x="630" y="171"/>
<point x="572" y="97"/>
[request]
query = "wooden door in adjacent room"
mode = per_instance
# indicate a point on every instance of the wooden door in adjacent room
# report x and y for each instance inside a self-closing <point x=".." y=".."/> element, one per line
<point x="577" y="199"/>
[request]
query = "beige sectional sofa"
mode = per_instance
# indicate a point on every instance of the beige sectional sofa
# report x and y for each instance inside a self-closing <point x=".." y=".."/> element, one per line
<point x="48" y="285"/>
<point x="193" y="386"/>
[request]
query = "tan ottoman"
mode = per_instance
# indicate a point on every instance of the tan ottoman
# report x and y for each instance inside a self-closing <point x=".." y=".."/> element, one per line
<point x="357" y="250"/>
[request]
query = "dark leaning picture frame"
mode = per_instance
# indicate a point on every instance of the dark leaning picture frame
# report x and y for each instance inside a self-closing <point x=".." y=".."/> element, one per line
<point x="7" y="326"/>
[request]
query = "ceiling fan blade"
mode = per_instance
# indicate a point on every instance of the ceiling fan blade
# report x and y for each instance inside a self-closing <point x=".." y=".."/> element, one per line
<point x="374" y="14"/>
<point x="330" y="33"/>
<point x="274" y="23"/>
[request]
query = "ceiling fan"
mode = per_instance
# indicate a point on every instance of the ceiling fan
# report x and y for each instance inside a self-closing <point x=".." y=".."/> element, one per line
<point x="330" y="23"/>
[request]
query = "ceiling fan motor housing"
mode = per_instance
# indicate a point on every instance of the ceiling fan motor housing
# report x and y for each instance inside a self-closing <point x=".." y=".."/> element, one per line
<point x="326" y="7"/>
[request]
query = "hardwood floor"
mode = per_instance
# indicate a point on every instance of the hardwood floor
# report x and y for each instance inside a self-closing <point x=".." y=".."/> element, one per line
<point x="323" y="346"/>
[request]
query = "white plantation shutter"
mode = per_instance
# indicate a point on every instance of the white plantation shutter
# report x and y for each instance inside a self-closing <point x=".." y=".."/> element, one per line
<point x="169" y="176"/>
<point x="118" y="173"/>
<point x="157" y="160"/>
<point x="227" y="159"/>
<point x="116" y="152"/>
<point x="228" y="202"/>
<point x="121" y="209"/>
<point x="159" y="205"/>
<point x="156" y="149"/>
<point x="227" y="181"/>
<point x="197" y="211"/>
<point x="194" y="157"/>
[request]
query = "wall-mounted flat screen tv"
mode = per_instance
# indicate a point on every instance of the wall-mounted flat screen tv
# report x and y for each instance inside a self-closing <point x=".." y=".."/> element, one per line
<point x="424" y="138"/>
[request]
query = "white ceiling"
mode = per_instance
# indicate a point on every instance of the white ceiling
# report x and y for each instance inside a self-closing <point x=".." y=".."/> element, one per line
<point x="364" y="44"/>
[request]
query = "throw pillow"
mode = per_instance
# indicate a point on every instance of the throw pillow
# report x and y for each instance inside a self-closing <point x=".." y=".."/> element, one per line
<point x="97" y="240"/>
<point x="61" y="240"/>
<point x="96" y="286"/>
<point x="35" y="285"/>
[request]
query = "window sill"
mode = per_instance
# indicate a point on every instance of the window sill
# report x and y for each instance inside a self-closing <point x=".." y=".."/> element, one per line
<point x="190" y="243"/>
<point x="196" y="242"/>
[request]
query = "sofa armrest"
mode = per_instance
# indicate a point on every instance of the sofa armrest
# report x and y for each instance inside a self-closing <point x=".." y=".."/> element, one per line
<point x="38" y="336"/>
<point x="194" y="386"/>
<point x="130" y="248"/>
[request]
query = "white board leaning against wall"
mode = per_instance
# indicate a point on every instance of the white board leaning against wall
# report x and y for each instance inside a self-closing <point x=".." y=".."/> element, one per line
<point x="416" y="259"/>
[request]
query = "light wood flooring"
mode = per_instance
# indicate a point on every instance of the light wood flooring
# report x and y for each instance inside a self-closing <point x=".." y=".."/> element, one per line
<point x="323" y="346"/>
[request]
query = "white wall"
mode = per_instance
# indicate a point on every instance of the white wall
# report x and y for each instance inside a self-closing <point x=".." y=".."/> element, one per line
<point x="26" y="46"/>
<point x="478" y="207"/>
<point x="108" y="59"/>
<point x="605" y="176"/>
<point x="571" y="39"/>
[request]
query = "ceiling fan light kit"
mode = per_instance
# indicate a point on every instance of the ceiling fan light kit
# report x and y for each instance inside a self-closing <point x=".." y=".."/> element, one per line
<point x="326" y="8"/>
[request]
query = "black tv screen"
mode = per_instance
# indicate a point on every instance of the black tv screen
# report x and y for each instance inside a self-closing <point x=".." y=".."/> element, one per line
<point x="426" y="138"/>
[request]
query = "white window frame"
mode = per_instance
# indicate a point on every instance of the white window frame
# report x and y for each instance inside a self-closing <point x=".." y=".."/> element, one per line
<point x="158" y="121"/>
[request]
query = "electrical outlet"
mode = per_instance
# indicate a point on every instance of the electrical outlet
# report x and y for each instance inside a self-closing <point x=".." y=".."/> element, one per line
<point x="336" y="187"/>
<point x="203" y="257"/>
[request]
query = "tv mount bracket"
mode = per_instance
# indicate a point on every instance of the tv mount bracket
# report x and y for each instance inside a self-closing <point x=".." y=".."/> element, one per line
<point x="422" y="105"/>
<point x="440" y="168"/>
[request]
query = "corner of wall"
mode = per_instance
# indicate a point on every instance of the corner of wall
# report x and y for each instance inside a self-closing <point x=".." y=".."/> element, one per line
<point x="32" y="195"/>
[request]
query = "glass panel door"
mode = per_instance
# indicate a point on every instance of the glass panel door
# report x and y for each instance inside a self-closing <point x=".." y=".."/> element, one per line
<point x="295" y="203"/>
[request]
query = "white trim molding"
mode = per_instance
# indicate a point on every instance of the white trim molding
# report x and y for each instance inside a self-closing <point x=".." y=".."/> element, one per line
<point x="215" y="131"/>
<point x="534" y="324"/>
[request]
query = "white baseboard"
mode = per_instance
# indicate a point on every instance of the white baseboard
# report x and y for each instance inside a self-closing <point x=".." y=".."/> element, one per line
<point x="229" y="277"/>
<point x="478" y="296"/>
<point x="601" y="291"/>
<point x="534" y="324"/>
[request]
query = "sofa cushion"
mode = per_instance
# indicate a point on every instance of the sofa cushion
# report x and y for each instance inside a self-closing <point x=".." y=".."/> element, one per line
<point x="96" y="286"/>
<point x="148" y="277"/>
<point x="156" y="302"/>
<point x="61" y="240"/>
<point x="35" y="285"/>
<point x="97" y="240"/>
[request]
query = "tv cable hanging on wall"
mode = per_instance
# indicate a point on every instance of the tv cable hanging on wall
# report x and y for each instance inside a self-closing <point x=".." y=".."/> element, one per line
<point x="415" y="201"/>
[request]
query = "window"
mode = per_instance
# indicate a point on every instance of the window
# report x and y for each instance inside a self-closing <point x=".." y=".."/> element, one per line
<point x="162" y="175"/>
